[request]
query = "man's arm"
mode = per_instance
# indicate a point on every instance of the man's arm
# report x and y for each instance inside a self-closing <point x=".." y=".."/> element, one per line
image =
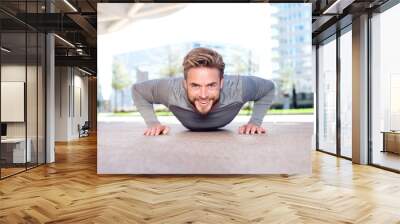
<point x="262" y="92"/>
<point x="147" y="93"/>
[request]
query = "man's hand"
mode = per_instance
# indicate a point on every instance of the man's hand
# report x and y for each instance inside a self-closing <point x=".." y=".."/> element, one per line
<point x="251" y="129"/>
<point x="157" y="129"/>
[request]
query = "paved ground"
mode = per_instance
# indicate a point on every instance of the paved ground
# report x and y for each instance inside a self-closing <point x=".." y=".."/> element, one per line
<point x="122" y="149"/>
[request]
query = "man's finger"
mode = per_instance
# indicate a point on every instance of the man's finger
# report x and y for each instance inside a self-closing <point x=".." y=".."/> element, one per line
<point x="165" y="131"/>
<point x="158" y="130"/>
<point x="253" y="130"/>
<point x="244" y="129"/>
<point x="152" y="131"/>
<point x="248" y="128"/>
<point x="147" y="132"/>
<point x="241" y="129"/>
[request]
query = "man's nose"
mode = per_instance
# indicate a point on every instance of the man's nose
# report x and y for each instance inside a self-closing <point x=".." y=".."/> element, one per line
<point x="203" y="92"/>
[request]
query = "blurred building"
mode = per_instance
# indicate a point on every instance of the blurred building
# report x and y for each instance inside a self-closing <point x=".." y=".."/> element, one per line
<point x="291" y="37"/>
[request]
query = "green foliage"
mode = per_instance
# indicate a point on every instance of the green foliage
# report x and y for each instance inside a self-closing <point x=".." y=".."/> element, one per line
<point x="286" y="79"/>
<point x="173" y="67"/>
<point x="120" y="78"/>
<point x="244" y="63"/>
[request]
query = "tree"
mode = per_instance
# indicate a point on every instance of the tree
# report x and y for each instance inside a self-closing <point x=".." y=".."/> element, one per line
<point x="120" y="81"/>
<point x="288" y="84"/>
<point x="173" y="66"/>
<point x="239" y="64"/>
<point x="287" y="79"/>
<point x="294" y="97"/>
<point x="244" y="63"/>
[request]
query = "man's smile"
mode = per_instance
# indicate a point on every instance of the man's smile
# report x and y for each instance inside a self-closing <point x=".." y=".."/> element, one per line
<point x="204" y="102"/>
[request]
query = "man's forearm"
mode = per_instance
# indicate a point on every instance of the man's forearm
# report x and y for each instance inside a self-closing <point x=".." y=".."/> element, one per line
<point x="146" y="94"/>
<point x="144" y="107"/>
<point x="262" y="92"/>
<point x="260" y="108"/>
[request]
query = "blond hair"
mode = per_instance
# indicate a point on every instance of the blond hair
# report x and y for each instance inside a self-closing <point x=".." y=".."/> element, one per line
<point x="203" y="57"/>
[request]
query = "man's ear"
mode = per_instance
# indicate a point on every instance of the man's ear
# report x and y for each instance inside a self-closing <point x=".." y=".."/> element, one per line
<point x="222" y="83"/>
<point x="184" y="84"/>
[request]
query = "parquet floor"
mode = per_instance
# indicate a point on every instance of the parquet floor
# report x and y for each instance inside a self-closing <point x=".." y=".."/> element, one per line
<point x="70" y="191"/>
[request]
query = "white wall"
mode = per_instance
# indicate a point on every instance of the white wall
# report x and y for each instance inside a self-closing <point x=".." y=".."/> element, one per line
<point x="81" y="94"/>
<point x="11" y="73"/>
<point x="71" y="87"/>
<point x="62" y="81"/>
<point x="33" y="126"/>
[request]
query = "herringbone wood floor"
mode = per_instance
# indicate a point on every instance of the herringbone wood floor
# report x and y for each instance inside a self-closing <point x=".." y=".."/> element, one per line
<point x="70" y="191"/>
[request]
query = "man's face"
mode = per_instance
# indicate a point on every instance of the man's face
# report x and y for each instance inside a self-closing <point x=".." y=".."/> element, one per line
<point x="203" y="87"/>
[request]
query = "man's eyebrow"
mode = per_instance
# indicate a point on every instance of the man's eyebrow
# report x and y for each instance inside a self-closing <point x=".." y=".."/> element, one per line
<point x="208" y="84"/>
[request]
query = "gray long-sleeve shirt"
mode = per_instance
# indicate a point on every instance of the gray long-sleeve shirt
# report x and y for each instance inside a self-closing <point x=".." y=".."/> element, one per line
<point x="236" y="91"/>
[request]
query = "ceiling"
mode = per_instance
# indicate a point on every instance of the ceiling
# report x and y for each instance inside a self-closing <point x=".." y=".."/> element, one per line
<point x="75" y="21"/>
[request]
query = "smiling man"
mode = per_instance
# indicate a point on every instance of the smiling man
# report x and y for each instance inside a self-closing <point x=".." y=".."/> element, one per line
<point x="204" y="99"/>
